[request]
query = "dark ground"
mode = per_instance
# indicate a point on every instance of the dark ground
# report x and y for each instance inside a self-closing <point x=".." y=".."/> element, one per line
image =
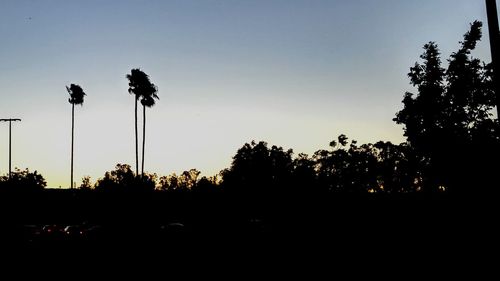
<point x="413" y="231"/>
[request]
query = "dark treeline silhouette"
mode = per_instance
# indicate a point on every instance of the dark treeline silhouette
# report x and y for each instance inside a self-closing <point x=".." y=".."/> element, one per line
<point x="259" y="169"/>
<point x="22" y="181"/>
<point x="345" y="168"/>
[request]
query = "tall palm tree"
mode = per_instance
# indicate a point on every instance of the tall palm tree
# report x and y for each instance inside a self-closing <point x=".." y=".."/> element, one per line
<point x="76" y="95"/>
<point x="148" y="100"/>
<point x="141" y="87"/>
<point x="135" y="78"/>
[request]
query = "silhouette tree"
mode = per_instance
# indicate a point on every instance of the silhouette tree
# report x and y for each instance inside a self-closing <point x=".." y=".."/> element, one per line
<point x="304" y="176"/>
<point x="23" y="180"/>
<point x="451" y="116"/>
<point x="76" y="97"/>
<point x="135" y="77"/>
<point x="142" y="88"/>
<point x="124" y="179"/>
<point x="187" y="180"/>
<point x="256" y="169"/>
<point x="396" y="171"/>
<point x="347" y="168"/>
<point x="147" y="100"/>
<point x="206" y="185"/>
<point x="169" y="183"/>
<point x="357" y="169"/>
<point x="121" y="178"/>
<point x="86" y="183"/>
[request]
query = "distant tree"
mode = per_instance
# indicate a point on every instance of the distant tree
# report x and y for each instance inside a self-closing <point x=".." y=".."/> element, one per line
<point x="86" y="183"/>
<point x="206" y="185"/>
<point x="76" y="97"/>
<point x="258" y="169"/>
<point x="449" y="124"/>
<point x="169" y="183"/>
<point x="23" y="180"/>
<point x="397" y="169"/>
<point x="347" y="168"/>
<point x="123" y="178"/>
<point x="361" y="173"/>
<point x="142" y="88"/>
<point x="304" y="176"/>
<point x="147" y="182"/>
<point x="189" y="179"/>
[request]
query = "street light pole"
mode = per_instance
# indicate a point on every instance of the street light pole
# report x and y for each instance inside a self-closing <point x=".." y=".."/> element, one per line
<point x="10" y="120"/>
<point x="491" y="11"/>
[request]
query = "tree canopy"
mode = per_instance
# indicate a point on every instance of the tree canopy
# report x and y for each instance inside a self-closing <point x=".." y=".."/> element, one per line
<point x="449" y="122"/>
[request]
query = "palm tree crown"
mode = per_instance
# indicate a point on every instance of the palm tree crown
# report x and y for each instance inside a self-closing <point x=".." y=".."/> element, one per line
<point x="149" y="96"/>
<point x="76" y="94"/>
<point x="139" y="84"/>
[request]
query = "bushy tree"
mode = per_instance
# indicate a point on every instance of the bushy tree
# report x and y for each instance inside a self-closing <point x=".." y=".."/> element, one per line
<point x="396" y="168"/>
<point x="259" y="169"/>
<point x="347" y="168"/>
<point x="23" y="180"/>
<point x="187" y="180"/>
<point x="207" y="185"/>
<point x="304" y="177"/>
<point x="123" y="178"/>
<point x="449" y="122"/>
<point x="86" y="183"/>
<point x="169" y="183"/>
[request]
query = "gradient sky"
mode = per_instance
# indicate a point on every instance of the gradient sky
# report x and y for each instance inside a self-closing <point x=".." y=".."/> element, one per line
<point x="295" y="73"/>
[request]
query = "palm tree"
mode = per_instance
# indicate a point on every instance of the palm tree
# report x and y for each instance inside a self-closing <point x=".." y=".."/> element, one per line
<point x="135" y="77"/>
<point x="141" y="87"/>
<point x="147" y="101"/>
<point x="76" y="97"/>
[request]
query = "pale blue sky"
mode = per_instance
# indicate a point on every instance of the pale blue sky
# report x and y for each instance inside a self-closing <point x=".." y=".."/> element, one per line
<point x="295" y="73"/>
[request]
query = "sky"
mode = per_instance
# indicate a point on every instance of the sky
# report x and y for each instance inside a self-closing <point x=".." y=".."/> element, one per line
<point x="293" y="73"/>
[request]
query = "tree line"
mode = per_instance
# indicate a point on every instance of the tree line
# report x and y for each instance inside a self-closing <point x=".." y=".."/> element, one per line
<point x="452" y="143"/>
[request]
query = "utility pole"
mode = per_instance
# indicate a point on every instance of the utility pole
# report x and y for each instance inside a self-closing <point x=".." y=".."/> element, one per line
<point x="10" y="120"/>
<point x="491" y="11"/>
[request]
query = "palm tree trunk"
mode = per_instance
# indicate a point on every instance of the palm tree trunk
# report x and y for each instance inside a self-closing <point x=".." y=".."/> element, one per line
<point x="72" y="139"/>
<point x="143" y="135"/>
<point x="136" y="142"/>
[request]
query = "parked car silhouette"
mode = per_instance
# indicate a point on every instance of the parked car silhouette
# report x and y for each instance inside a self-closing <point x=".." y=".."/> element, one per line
<point x="52" y="232"/>
<point x="74" y="231"/>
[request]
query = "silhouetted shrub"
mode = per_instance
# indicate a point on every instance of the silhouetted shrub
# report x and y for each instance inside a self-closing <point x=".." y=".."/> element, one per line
<point x="23" y="180"/>
<point x="124" y="179"/>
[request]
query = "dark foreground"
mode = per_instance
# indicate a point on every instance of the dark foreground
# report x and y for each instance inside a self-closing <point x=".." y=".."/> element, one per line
<point x="199" y="227"/>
